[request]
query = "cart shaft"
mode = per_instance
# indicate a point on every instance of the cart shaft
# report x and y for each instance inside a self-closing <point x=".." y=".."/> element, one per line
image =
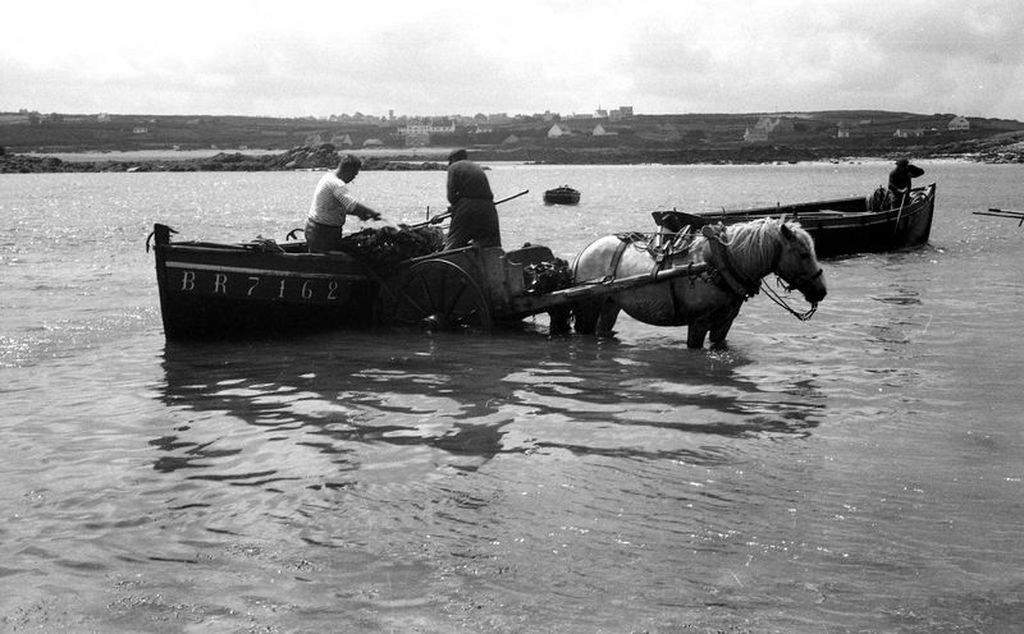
<point x="534" y="304"/>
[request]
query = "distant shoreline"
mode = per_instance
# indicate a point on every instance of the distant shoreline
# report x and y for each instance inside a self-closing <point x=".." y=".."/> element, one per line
<point x="432" y="159"/>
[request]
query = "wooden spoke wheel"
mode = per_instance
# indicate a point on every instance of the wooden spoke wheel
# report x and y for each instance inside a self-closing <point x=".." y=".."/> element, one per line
<point x="442" y="295"/>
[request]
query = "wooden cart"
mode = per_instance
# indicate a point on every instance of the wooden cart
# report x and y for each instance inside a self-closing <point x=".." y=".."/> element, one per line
<point x="216" y="290"/>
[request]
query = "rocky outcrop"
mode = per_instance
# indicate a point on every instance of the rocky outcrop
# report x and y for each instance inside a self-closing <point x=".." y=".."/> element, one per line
<point x="21" y="164"/>
<point x="322" y="156"/>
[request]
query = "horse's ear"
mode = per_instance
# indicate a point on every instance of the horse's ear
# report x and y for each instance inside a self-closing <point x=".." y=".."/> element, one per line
<point x="787" y="233"/>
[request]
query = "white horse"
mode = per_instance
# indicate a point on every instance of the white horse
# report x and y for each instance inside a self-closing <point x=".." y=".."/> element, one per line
<point x="738" y="256"/>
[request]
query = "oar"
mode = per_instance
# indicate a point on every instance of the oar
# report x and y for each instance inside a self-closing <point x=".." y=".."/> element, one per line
<point x="1003" y="213"/>
<point x="440" y="217"/>
<point x="505" y="200"/>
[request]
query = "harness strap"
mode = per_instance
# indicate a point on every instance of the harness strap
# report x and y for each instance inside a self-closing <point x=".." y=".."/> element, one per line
<point x="671" y="287"/>
<point x="727" y="274"/>
<point x="613" y="265"/>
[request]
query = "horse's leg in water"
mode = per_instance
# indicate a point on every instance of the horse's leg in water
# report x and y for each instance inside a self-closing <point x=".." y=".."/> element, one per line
<point x="606" y="318"/>
<point x="558" y="320"/>
<point x="721" y="329"/>
<point x="584" y="316"/>
<point x="695" y="334"/>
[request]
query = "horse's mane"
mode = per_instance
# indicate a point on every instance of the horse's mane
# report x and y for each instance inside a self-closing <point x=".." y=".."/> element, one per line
<point x="757" y="240"/>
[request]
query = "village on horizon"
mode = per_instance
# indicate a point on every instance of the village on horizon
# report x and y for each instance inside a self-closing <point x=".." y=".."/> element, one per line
<point x="621" y="127"/>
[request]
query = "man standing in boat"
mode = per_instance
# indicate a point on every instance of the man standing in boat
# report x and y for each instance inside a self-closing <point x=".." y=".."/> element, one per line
<point x="332" y="202"/>
<point x="900" y="180"/>
<point x="474" y="216"/>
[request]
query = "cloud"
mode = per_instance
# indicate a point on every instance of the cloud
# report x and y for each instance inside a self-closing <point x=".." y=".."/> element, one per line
<point x="834" y="55"/>
<point x="318" y="57"/>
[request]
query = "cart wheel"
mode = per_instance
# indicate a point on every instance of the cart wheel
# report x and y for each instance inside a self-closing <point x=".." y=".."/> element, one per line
<point x="443" y="295"/>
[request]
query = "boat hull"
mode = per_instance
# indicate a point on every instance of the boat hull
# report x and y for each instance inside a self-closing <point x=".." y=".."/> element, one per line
<point x="562" y="196"/>
<point x="218" y="291"/>
<point x="839" y="227"/>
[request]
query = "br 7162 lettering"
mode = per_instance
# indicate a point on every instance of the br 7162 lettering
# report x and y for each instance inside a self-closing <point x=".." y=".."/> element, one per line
<point x="260" y="287"/>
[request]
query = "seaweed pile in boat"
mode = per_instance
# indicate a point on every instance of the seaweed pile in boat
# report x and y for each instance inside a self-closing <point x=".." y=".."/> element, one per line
<point x="387" y="246"/>
<point x="544" y="277"/>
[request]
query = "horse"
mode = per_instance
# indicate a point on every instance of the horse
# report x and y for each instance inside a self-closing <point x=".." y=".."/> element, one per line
<point x="737" y="257"/>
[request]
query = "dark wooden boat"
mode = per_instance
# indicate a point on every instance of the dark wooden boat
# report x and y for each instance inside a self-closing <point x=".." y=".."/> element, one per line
<point x="563" y="195"/>
<point x="843" y="226"/>
<point x="213" y="290"/>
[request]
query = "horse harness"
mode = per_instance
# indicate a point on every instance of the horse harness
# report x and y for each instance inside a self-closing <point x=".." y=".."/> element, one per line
<point x="723" y="274"/>
<point x="664" y="247"/>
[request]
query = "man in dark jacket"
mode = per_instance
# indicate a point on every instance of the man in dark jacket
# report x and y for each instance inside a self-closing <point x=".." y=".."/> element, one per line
<point x="900" y="178"/>
<point x="474" y="216"/>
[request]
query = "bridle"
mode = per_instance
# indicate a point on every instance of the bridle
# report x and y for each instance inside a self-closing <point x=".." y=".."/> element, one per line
<point x="800" y="282"/>
<point x="779" y="300"/>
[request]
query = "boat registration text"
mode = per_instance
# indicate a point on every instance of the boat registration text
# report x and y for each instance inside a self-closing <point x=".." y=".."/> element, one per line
<point x="259" y="284"/>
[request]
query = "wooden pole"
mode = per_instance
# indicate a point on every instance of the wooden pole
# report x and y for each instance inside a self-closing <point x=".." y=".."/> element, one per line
<point x="1003" y="213"/>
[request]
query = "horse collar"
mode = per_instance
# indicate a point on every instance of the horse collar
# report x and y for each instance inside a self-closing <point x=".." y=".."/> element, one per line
<point x="730" y="277"/>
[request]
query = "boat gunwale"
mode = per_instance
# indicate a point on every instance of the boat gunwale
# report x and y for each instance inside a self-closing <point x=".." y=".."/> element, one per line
<point x="821" y="213"/>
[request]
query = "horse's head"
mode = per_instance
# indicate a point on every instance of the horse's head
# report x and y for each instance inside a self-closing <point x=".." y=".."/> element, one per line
<point x="797" y="264"/>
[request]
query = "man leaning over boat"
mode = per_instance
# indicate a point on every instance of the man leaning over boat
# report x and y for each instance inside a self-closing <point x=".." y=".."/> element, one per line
<point x="474" y="216"/>
<point x="332" y="202"/>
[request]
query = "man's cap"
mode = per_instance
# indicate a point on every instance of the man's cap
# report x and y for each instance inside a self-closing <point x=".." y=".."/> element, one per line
<point x="457" y="155"/>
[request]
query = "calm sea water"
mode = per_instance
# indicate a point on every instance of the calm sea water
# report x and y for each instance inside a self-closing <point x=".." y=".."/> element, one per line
<point x="863" y="471"/>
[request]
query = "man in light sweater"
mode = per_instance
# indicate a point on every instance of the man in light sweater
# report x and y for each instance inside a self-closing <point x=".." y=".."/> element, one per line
<point x="332" y="202"/>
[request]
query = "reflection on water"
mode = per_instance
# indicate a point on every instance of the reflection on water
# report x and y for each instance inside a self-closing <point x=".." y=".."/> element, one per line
<point x="466" y="399"/>
<point x="504" y="463"/>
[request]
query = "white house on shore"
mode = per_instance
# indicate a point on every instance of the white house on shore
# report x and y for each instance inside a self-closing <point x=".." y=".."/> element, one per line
<point x="559" y="130"/>
<point x="958" y="123"/>
<point x="622" y="112"/>
<point x="766" y="128"/>
<point x="418" y="134"/>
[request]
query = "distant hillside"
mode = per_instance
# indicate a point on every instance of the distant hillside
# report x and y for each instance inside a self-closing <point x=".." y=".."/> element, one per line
<point x="669" y="138"/>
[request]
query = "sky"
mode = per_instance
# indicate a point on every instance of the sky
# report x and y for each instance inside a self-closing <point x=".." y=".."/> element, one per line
<point x="294" y="58"/>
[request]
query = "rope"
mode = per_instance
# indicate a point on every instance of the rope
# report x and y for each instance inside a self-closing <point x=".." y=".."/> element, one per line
<point x="265" y="245"/>
<point x="775" y="297"/>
